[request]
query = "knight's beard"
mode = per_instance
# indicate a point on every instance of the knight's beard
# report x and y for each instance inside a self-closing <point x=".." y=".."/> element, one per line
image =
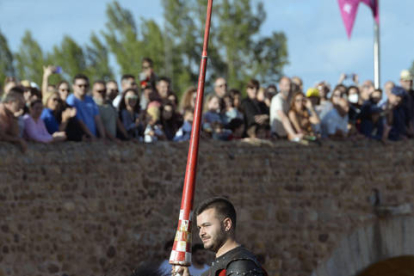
<point x="217" y="242"/>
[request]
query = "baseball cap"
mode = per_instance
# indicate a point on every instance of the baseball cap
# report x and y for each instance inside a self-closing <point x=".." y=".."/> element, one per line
<point x="406" y="75"/>
<point x="26" y="83"/>
<point x="398" y="91"/>
<point x="312" y="92"/>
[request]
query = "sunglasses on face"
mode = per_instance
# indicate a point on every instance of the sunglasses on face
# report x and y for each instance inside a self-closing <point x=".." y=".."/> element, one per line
<point x="114" y="90"/>
<point x="131" y="97"/>
<point x="100" y="91"/>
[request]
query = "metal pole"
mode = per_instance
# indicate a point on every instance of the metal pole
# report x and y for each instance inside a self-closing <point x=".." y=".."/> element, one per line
<point x="377" y="54"/>
<point x="181" y="252"/>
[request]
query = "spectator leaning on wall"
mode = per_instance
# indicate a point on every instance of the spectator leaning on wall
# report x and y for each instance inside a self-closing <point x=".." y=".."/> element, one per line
<point x="12" y="104"/>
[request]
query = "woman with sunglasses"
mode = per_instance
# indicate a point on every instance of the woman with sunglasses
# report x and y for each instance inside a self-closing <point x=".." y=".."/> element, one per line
<point x="302" y="115"/>
<point x="57" y="115"/>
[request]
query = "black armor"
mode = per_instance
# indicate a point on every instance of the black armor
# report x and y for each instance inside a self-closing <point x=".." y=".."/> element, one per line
<point x="236" y="262"/>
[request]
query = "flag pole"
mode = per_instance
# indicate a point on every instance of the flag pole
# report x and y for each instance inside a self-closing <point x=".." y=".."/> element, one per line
<point x="377" y="67"/>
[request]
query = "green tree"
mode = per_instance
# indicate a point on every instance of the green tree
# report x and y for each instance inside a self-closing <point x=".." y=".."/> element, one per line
<point x="30" y="59"/>
<point x="246" y="53"/>
<point x="121" y="35"/>
<point x="97" y="59"/>
<point x="270" y="55"/>
<point x="237" y="51"/>
<point x="70" y="56"/>
<point x="6" y="60"/>
<point x="181" y="54"/>
<point x="152" y="45"/>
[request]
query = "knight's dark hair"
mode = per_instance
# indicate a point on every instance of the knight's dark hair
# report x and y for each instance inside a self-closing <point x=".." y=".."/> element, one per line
<point x="224" y="208"/>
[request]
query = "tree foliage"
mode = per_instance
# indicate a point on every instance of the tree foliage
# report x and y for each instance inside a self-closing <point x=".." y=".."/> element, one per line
<point x="30" y="59"/>
<point x="121" y="35"/>
<point x="97" y="60"/>
<point x="70" y="56"/>
<point x="6" y="60"/>
<point x="237" y="50"/>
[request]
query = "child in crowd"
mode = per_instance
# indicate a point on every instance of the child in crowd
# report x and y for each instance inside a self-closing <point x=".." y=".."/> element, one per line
<point x="184" y="132"/>
<point x="229" y="111"/>
<point x="153" y="131"/>
<point x="211" y="114"/>
<point x="213" y="123"/>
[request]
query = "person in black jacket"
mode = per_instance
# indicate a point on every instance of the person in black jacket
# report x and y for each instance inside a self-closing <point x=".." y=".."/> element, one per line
<point x="255" y="114"/>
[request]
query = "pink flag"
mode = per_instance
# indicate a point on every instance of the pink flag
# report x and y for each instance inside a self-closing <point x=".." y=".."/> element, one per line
<point x="373" y="4"/>
<point x="349" y="10"/>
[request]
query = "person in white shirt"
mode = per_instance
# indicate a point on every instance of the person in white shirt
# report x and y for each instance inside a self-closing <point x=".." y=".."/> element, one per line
<point x="279" y="108"/>
<point x="335" y="122"/>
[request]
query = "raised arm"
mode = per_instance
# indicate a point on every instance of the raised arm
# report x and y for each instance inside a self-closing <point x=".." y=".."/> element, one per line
<point x="288" y="127"/>
<point x="314" y="118"/>
<point x="47" y="72"/>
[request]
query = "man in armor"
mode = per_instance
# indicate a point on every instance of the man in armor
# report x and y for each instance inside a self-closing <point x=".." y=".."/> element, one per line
<point x="216" y="221"/>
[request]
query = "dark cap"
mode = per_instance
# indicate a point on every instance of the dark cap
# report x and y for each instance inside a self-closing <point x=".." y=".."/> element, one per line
<point x="398" y="91"/>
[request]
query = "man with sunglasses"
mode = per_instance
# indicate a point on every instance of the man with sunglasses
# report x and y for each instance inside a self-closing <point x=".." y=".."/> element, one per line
<point x="112" y="90"/>
<point x="108" y="113"/>
<point x="87" y="111"/>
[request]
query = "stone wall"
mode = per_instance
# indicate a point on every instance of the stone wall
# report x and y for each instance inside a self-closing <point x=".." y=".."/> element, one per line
<point x="90" y="209"/>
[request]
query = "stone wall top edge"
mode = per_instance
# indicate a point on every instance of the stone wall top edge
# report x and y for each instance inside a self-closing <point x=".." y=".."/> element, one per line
<point x="7" y="148"/>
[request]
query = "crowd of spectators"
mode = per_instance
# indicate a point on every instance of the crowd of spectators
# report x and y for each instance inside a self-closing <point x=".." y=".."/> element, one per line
<point x="145" y="109"/>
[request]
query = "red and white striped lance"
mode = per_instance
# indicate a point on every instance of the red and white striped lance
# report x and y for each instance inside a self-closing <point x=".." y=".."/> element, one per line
<point x="181" y="251"/>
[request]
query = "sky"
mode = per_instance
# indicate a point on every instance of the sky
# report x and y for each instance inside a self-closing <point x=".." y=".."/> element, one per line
<point x="318" y="46"/>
